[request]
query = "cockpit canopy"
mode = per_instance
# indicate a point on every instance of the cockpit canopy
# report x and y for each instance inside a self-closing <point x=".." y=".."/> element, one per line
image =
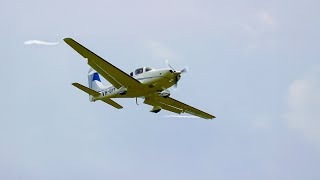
<point x="140" y="71"/>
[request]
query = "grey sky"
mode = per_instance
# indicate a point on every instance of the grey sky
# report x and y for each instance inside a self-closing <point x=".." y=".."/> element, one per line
<point x="253" y="64"/>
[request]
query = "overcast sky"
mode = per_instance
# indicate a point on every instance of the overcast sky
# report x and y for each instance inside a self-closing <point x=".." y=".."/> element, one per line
<point x="255" y="65"/>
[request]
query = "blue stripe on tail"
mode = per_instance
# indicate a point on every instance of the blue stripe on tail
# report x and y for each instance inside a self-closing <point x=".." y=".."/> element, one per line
<point x="96" y="77"/>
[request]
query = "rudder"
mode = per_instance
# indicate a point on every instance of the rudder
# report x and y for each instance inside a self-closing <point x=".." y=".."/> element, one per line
<point x="94" y="80"/>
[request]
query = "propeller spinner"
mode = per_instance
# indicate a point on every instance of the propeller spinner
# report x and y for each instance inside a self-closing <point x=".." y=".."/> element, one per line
<point x="177" y="73"/>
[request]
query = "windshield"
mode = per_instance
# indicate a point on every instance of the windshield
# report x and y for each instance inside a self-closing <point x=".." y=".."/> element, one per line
<point x="139" y="71"/>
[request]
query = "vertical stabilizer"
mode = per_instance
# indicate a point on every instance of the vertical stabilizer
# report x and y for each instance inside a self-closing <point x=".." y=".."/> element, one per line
<point x="94" y="81"/>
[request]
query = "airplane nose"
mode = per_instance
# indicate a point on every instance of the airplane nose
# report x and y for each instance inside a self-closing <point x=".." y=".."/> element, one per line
<point x="178" y="77"/>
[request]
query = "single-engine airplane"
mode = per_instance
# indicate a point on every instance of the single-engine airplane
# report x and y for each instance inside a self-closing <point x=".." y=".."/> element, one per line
<point x="148" y="83"/>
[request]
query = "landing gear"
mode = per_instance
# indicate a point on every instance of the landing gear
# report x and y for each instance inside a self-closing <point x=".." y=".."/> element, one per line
<point x="155" y="109"/>
<point x="164" y="93"/>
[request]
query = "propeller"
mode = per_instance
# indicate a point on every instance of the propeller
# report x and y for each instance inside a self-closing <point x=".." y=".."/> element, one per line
<point x="176" y="82"/>
<point x="184" y="70"/>
<point x="169" y="66"/>
<point x="177" y="77"/>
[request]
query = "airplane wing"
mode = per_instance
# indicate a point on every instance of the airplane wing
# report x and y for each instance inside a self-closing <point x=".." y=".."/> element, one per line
<point x="176" y="106"/>
<point x="111" y="73"/>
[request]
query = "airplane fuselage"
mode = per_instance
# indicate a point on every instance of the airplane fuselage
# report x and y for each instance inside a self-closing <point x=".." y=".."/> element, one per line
<point x="156" y="81"/>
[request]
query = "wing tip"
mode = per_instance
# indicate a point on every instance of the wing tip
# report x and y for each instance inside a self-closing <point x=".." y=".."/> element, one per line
<point x="75" y="84"/>
<point x="209" y="118"/>
<point x="68" y="39"/>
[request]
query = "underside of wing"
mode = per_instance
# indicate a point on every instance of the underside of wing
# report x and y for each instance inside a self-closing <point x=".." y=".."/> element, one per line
<point x="161" y="105"/>
<point x="115" y="76"/>
<point x="176" y="106"/>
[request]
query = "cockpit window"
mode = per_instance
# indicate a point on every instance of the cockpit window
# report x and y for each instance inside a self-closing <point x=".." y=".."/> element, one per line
<point x="131" y="74"/>
<point x="139" y="71"/>
<point x="148" y="69"/>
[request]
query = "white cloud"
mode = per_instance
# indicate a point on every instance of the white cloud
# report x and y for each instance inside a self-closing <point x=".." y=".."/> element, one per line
<point x="266" y="17"/>
<point x="40" y="43"/>
<point x="258" y="29"/>
<point x="304" y="106"/>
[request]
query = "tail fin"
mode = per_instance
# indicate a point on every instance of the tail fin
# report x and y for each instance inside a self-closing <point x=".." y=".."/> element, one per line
<point x="94" y="80"/>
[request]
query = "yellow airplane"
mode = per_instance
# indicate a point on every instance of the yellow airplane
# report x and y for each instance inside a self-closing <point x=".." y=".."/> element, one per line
<point x="147" y="83"/>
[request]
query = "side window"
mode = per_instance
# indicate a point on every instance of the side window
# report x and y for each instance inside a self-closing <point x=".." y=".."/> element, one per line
<point x="131" y="74"/>
<point x="148" y="69"/>
<point x="139" y="71"/>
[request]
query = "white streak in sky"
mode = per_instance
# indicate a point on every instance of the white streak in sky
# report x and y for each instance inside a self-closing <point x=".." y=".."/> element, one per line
<point x="40" y="43"/>
<point x="175" y="116"/>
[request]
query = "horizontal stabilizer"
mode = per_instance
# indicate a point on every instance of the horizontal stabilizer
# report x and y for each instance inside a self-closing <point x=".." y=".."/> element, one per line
<point x="95" y="93"/>
<point x="112" y="103"/>
<point x="85" y="89"/>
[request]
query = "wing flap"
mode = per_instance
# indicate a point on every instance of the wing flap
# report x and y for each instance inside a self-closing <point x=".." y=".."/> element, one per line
<point x="184" y="107"/>
<point x="163" y="106"/>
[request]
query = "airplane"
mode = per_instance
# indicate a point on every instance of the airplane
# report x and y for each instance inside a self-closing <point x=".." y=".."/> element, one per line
<point x="147" y="83"/>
